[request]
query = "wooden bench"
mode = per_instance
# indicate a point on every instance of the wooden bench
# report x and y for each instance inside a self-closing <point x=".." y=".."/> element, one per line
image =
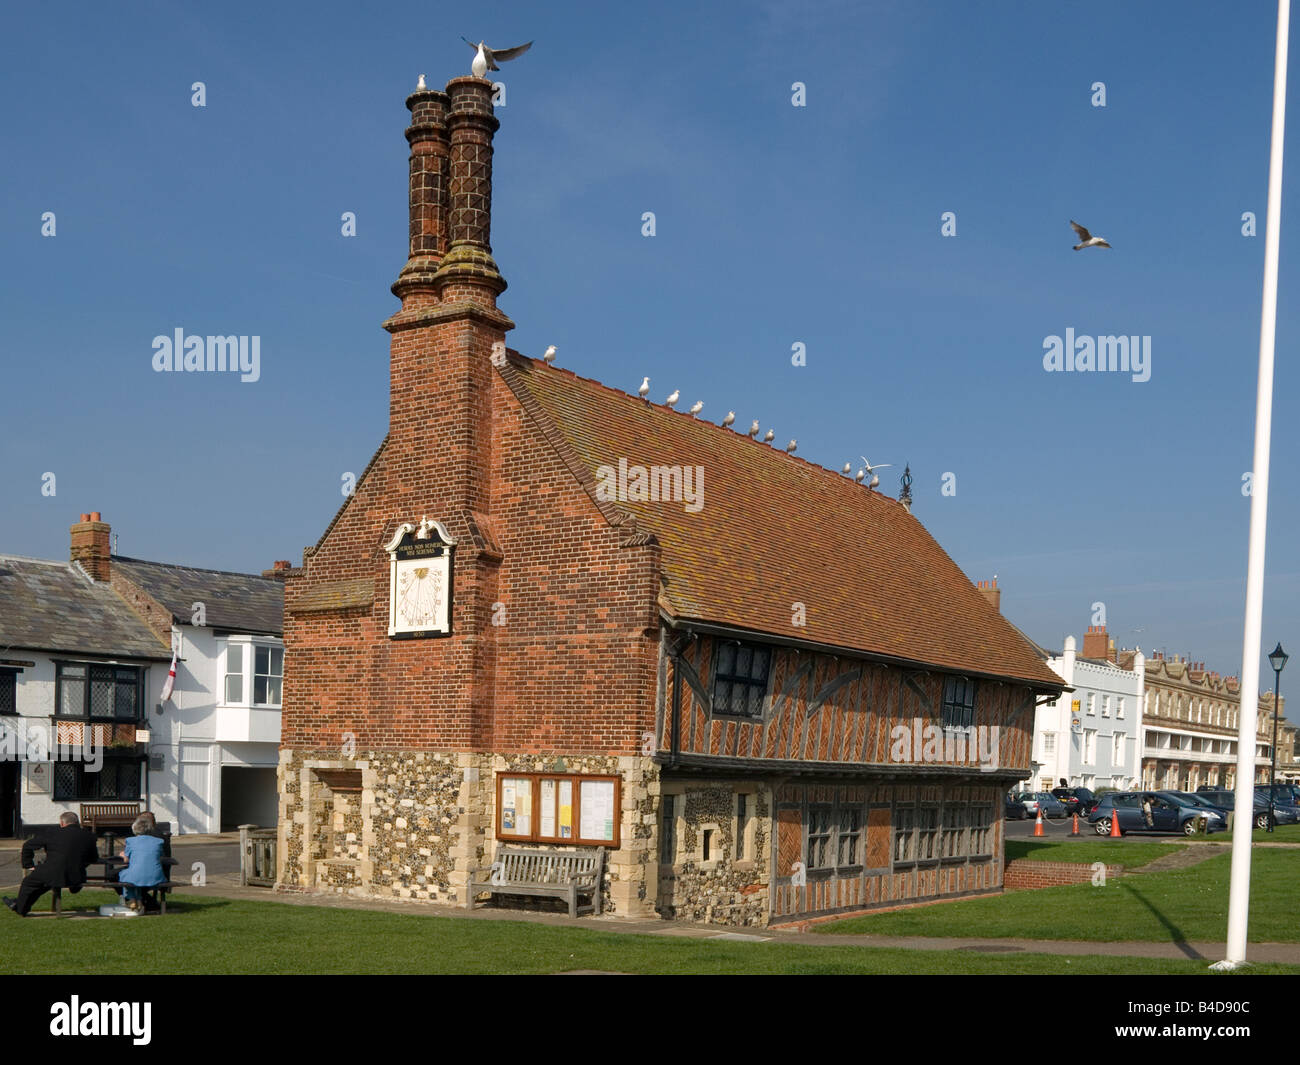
<point x="546" y="872"/>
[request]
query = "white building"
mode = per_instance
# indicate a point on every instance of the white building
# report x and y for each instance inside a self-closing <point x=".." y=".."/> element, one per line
<point x="86" y="651"/>
<point x="1092" y="736"/>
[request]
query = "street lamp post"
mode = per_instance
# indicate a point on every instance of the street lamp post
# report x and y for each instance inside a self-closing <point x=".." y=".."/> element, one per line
<point x="1278" y="661"/>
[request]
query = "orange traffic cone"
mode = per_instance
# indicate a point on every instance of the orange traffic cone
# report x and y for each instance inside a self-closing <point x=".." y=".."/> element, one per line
<point x="1038" y="823"/>
<point x="1075" y="830"/>
<point x="1114" y="825"/>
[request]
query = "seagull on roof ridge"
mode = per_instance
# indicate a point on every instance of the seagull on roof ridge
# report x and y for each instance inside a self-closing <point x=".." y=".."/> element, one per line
<point x="697" y="407"/>
<point x="791" y="446"/>
<point x="1089" y="241"/>
<point x="769" y="436"/>
<point x="731" y="417"/>
<point x="644" y="390"/>
<point x="753" y="430"/>
<point x="671" y="401"/>
<point x="549" y="356"/>
<point x="486" y="58"/>
<point x="847" y="467"/>
<point x="860" y="474"/>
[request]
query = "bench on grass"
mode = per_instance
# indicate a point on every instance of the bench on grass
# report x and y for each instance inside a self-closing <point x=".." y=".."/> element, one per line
<point x="158" y="892"/>
<point x="546" y="872"/>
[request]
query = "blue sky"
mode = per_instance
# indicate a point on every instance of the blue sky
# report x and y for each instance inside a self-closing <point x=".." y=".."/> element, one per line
<point x="775" y="225"/>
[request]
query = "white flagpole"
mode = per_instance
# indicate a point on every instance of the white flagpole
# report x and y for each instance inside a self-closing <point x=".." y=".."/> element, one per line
<point x="1239" y="890"/>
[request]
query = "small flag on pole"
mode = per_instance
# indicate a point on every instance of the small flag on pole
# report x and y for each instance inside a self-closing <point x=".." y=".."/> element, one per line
<point x="170" y="684"/>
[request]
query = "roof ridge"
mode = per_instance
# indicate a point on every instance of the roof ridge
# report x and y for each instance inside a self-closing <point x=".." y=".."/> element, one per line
<point x="30" y="558"/>
<point x="194" y="569"/>
<point x="627" y="396"/>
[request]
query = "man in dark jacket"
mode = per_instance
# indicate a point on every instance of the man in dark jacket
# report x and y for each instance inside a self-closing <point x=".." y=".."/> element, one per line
<point x="68" y="850"/>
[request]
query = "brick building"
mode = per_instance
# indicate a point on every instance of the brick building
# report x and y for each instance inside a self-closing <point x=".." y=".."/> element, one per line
<point x="554" y="613"/>
<point x="1190" y="720"/>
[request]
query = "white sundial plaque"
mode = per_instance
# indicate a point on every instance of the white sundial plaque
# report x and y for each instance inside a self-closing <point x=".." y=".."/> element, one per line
<point x="419" y="580"/>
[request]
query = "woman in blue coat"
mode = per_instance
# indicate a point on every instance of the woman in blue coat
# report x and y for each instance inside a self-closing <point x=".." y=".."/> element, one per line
<point x="143" y="854"/>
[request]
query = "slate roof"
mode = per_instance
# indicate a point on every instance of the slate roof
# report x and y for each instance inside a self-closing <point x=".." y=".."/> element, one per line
<point x="774" y="530"/>
<point x="54" y="606"/>
<point x="239" y="602"/>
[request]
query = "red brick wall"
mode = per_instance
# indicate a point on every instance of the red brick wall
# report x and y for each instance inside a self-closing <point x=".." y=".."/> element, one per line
<point x="573" y="667"/>
<point x="1024" y="875"/>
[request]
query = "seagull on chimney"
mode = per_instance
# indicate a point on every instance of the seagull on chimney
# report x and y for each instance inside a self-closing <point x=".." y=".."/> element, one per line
<point x="671" y="401"/>
<point x="644" y="390"/>
<point x="753" y="430"/>
<point x="769" y="436"/>
<point x="872" y="469"/>
<point x="791" y="446"/>
<point x="549" y="356"/>
<point x="1089" y="241"/>
<point x="486" y="58"/>
<point x="731" y="417"/>
<point x="420" y="84"/>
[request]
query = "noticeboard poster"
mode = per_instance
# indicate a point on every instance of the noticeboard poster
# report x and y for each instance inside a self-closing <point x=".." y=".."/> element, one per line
<point x="596" y="805"/>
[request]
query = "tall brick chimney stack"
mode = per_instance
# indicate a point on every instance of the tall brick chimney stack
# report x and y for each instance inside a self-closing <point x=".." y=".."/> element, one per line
<point x="427" y="136"/>
<point x="991" y="592"/>
<point x="1096" y="642"/>
<point x="90" y="545"/>
<point x="444" y="336"/>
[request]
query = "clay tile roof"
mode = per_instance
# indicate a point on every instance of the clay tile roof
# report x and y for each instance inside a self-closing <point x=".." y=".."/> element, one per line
<point x="775" y="530"/>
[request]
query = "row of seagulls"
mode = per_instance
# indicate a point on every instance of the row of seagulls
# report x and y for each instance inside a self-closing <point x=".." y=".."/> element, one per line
<point x="486" y="58"/>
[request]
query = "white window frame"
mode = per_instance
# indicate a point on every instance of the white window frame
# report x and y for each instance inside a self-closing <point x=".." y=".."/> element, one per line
<point x="249" y="646"/>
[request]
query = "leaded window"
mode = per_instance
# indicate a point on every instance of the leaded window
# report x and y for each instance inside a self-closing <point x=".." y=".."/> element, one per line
<point x="740" y="679"/>
<point x="958" y="702"/>
<point x="850" y="841"/>
<point x="118" y="778"/>
<point x="8" y="692"/>
<point x="819" y="836"/>
<point x="99" y="693"/>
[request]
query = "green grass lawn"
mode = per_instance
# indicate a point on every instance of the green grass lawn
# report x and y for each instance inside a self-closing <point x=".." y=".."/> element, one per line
<point x="204" y="934"/>
<point x="1182" y="904"/>
<point x="1113" y="852"/>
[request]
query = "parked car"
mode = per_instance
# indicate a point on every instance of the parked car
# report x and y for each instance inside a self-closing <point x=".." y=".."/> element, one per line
<point x="1015" y="809"/>
<point x="1167" y="815"/>
<point x="1041" y="800"/>
<point x="1079" y="801"/>
<point x="1284" y="813"/>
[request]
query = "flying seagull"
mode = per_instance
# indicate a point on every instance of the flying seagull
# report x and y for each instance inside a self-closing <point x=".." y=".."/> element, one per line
<point x="697" y="407"/>
<point x="486" y="59"/>
<point x="753" y="430"/>
<point x="644" y="390"/>
<point x="1089" y="241"/>
<point x="672" y="400"/>
<point x="872" y="469"/>
<point x="549" y="357"/>
<point x="731" y="417"/>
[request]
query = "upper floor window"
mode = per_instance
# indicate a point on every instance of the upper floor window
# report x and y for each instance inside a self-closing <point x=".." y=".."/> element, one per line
<point x="8" y="691"/>
<point x="958" y="702"/>
<point x="99" y="693"/>
<point x="740" y="680"/>
<point x="1119" y="707"/>
<point x="1092" y="703"/>
<point x="254" y="673"/>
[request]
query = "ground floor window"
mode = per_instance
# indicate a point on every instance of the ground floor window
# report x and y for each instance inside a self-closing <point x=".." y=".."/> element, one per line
<point x="118" y="778"/>
<point x="947" y="830"/>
